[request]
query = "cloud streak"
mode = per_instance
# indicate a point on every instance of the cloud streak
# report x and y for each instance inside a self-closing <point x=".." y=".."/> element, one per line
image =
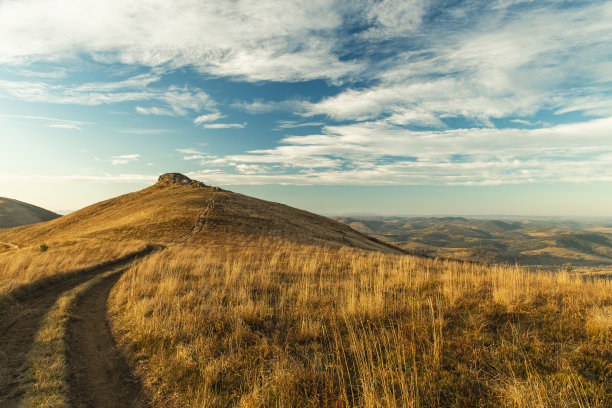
<point x="124" y="159"/>
<point x="175" y="101"/>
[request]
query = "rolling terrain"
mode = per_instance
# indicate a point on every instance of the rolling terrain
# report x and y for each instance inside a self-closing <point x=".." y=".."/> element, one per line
<point x="176" y="211"/>
<point x="179" y="210"/>
<point x="14" y="213"/>
<point x="526" y="242"/>
<point x="201" y="297"/>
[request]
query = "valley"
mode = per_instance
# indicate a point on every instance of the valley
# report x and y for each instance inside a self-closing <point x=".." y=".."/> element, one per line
<point x="545" y="243"/>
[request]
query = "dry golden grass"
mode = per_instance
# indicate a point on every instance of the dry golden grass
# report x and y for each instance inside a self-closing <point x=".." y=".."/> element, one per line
<point x="20" y="266"/>
<point x="287" y="325"/>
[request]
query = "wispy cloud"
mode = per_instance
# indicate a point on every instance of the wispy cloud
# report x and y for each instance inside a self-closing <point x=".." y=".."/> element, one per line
<point x="291" y="124"/>
<point x="224" y="125"/>
<point x="177" y="101"/>
<point x="259" y="106"/>
<point x="55" y="122"/>
<point x="154" y="110"/>
<point x="124" y="159"/>
<point x="64" y="126"/>
<point x="194" y="154"/>
<point x="210" y="117"/>
<point x="380" y="153"/>
<point x="509" y="64"/>
<point x="266" y="40"/>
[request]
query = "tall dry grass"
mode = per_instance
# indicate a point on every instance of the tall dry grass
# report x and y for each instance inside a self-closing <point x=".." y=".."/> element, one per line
<point x="19" y="266"/>
<point x="296" y="326"/>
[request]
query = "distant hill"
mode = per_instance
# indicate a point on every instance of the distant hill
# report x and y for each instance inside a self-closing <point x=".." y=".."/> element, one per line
<point x="14" y="213"/>
<point x="180" y="210"/>
<point x="526" y="242"/>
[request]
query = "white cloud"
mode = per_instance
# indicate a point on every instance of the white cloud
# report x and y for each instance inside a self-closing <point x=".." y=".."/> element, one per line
<point x="526" y="122"/>
<point x="251" y="169"/>
<point x="176" y="100"/>
<point x="224" y="125"/>
<point x="56" y="123"/>
<point x="124" y="159"/>
<point x="189" y="151"/>
<point x="154" y="110"/>
<point x="482" y="62"/>
<point x="507" y="64"/>
<point x="380" y="153"/>
<point x="258" y="106"/>
<point x="291" y="124"/>
<point x="210" y="117"/>
<point x="252" y="40"/>
<point x="473" y="61"/>
<point x="61" y="125"/>
<point x="395" y="17"/>
<point x="194" y="154"/>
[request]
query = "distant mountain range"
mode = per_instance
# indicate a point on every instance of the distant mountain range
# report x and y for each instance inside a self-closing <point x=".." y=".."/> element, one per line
<point x="526" y="242"/>
<point x="14" y="213"/>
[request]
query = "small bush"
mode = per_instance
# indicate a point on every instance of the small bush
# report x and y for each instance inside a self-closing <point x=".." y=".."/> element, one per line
<point x="44" y="247"/>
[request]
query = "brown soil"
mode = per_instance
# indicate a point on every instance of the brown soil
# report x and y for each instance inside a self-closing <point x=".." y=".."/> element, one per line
<point x="99" y="375"/>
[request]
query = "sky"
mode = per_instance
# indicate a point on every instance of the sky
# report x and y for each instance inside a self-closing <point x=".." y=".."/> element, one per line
<point x="384" y="107"/>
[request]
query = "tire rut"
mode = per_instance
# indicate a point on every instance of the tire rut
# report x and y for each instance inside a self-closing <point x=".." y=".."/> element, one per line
<point x="99" y="374"/>
<point x="19" y="324"/>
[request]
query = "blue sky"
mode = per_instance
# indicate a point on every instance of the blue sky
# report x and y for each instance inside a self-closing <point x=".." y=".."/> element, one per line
<point x="390" y="107"/>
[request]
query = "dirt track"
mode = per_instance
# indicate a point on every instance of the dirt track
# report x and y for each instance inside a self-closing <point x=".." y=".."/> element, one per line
<point x="99" y="375"/>
<point x="20" y="322"/>
<point x="18" y="326"/>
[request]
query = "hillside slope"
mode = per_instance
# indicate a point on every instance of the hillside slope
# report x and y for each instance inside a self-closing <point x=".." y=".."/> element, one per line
<point x="14" y="213"/>
<point x="180" y="210"/>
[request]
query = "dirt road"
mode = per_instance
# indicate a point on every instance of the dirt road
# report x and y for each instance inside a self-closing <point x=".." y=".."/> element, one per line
<point x="99" y="375"/>
<point x="20" y="322"/>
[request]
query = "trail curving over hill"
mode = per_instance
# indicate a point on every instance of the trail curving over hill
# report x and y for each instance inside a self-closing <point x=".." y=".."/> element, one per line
<point x="201" y="219"/>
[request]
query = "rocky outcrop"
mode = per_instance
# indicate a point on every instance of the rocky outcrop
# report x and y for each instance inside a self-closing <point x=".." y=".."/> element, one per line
<point x="178" y="179"/>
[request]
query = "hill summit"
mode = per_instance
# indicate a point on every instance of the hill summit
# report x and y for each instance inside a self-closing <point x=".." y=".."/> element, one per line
<point x="178" y="209"/>
<point x="178" y="179"/>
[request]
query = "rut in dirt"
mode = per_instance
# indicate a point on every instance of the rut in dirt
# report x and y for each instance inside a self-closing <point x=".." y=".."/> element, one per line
<point x="18" y="328"/>
<point x="20" y="322"/>
<point x="99" y="374"/>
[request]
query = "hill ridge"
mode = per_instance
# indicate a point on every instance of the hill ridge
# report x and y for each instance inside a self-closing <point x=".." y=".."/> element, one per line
<point x="15" y="213"/>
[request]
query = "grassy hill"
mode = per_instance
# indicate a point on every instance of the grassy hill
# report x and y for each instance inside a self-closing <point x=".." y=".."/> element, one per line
<point x="525" y="242"/>
<point x="14" y="213"/>
<point x="249" y="303"/>
<point x="180" y="210"/>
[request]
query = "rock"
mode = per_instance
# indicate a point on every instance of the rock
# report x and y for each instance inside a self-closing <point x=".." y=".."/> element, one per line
<point x="178" y="179"/>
